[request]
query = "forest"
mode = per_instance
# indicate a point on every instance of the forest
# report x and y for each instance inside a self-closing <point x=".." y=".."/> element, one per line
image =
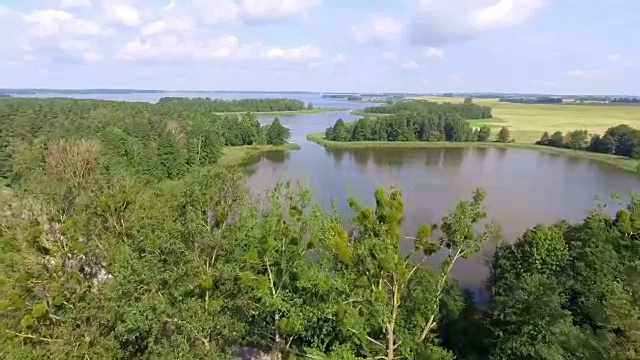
<point x="536" y="100"/>
<point x="467" y="110"/>
<point x="242" y="105"/>
<point x="155" y="141"/>
<point x="122" y="238"/>
<point x="621" y="140"/>
<point x="412" y="126"/>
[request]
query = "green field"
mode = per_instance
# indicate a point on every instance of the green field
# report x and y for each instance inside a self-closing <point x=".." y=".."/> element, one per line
<point x="281" y="113"/>
<point x="527" y="122"/>
<point x="238" y="155"/>
<point x="617" y="161"/>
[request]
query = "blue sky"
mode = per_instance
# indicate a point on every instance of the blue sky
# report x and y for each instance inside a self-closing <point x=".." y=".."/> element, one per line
<point x="547" y="46"/>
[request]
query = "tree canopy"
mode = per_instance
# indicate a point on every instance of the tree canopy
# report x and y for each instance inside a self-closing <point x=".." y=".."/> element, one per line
<point x="241" y="105"/>
<point x="622" y="140"/>
<point x="405" y="127"/>
<point x="467" y="110"/>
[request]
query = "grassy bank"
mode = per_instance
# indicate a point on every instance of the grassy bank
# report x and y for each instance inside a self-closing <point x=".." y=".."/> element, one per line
<point x="282" y="113"/>
<point x="239" y="155"/>
<point x="527" y="122"/>
<point x="617" y="161"/>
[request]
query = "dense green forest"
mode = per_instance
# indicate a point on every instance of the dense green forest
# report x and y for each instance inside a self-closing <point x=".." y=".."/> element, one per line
<point x="621" y="140"/>
<point x="121" y="238"/>
<point x="408" y="126"/>
<point x="466" y="110"/>
<point x="242" y="105"/>
<point x="151" y="140"/>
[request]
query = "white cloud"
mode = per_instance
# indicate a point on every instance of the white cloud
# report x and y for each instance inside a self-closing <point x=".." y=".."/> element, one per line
<point x="410" y="65"/>
<point x="390" y="55"/>
<point x="614" y="57"/>
<point x="76" y="45"/>
<point x="92" y="56"/>
<point x="210" y="12"/>
<point x="178" y="25"/>
<point x="440" y="22"/>
<point x="175" y="47"/>
<point x="127" y="15"/>
<point x="590" y="73"/>
<point x="50" y="23"/>
<point x="339" y="59"/>
<point x="431" y="52"/>
<point x="75" y="3"/>
<point x="276" y="9"/>
<point x="378" y="28"/>
<point x="302" y="53"/>
<point x="172" y="47"/>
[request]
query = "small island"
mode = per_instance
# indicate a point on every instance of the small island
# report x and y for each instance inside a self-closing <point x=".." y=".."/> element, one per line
<point x="266" y="106"/>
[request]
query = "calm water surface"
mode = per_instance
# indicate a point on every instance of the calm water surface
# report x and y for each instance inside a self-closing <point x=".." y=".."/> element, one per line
<point x="524" y="187"/>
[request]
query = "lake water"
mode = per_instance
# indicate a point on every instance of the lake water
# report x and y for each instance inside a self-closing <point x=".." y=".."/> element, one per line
<point x="524" y="187"/>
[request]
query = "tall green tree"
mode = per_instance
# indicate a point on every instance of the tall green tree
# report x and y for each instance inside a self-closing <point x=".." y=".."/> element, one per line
<point x="276" y="134"/>
<point x="484" y="134"/>
<point x="504" y="135"/>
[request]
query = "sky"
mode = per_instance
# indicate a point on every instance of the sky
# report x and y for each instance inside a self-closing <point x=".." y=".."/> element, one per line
<point x="532" y="46"/>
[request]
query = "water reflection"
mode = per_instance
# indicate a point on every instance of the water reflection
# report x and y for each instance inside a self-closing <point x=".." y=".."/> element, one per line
<point x="276" y="157"/>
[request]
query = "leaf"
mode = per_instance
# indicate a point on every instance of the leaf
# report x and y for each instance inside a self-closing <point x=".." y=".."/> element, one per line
<point x="39" y="309"/>
<point x="206" y="282"/>
<point x="27" y="321"/>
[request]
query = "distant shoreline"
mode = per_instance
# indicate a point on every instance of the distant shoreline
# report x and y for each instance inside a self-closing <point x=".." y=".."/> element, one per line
<point x="295" y="112"/>
<point x="620" y="162"/>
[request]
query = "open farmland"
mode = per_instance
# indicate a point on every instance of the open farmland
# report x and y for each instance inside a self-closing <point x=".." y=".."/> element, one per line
<point x="528" y="121"/>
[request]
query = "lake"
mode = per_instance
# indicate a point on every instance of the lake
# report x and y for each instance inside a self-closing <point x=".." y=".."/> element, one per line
<point x="524" y="187"/>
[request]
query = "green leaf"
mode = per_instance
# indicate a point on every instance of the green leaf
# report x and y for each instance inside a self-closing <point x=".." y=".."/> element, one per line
<point x="206" y="282"/>
<point x="39" y="309"/>
<point x="27" y="321"/>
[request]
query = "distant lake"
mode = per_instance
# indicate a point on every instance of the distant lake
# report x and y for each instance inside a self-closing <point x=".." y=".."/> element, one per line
<point x="524" y="187"/>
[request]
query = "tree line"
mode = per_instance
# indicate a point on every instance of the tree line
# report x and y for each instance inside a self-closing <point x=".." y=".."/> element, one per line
<point x="412" y="127"/>
<point x="241" y="105"/>
<point x="157" y="140"/>
<point x="621" y="140"/>
<point x="466" y="110"/>
<point x="613" y="99"/>
<point x="99" y="262"/>
<point x="537" y="100"/>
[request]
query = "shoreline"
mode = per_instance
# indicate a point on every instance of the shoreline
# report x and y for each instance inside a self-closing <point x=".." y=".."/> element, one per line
<point x="282" y="113"/>
<point x="620" y="162"/>
<point x="360" y="112"/>
<point x="241" y="155"/>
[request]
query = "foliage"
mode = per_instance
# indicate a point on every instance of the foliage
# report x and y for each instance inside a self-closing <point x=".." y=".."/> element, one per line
<point x="122" y="238"/>
<point x="504" y="135"/>
<point x="403" y="127"/>
<point x="155" y="141"/>
<point x="467" y="110"/>
<point x="276" y="134"/>
<point x="242" y="105"/>
<point x="621" y="140"/>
